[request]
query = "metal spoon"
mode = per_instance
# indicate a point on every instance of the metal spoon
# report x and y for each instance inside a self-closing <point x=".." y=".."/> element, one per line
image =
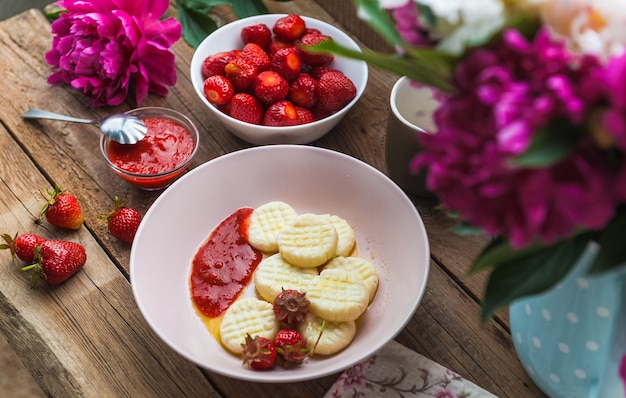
<point x="123" y="128"/>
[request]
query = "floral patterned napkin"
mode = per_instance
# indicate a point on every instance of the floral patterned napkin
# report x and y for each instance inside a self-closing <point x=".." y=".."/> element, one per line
<point x="396" y="371"/>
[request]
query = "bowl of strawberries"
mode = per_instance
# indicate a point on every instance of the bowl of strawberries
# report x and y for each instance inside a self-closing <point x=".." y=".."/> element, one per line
<point x="256" y="77"/>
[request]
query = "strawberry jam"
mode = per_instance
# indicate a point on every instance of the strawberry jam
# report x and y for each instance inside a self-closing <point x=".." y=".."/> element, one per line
<point x="167" y="145"/>
<point x="223" y="266"/>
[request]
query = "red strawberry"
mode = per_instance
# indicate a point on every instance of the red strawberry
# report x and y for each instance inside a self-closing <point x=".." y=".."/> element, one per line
<point x="277" y="44"/>
<point x="246" y="108"/>
<point x="312" y="30"/>
<point x="291" y="306"/>
<point x="281" y="113"/>
<point x="318" y="71"/>
<point x="62" y="209"/>
<point x="122" y="222"/>
<point x="257" y="55"/>
<point x="22" y="246"/>
<point x="289" y="28"/>
<point x="291" y="346"/>
<point x="319" y="112"/>
<point x="315" y="59"/>
<point x="259" y="34"/>
<point x="218" y="89"/>
<point x="286" y="61"/>
<point x="214" y="64"/>
<point x="259" y="352"/>
<point x="241" y="72"/>
<point x="304" y="115"/>
<point x="56" y="261"/>
<point x="334" y="91"/>
<point x="270" y="87"/>
<point x="302" y="91"/>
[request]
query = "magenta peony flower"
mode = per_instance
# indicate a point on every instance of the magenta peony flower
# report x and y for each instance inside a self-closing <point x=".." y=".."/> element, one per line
<point x="104" y="47"/>
<point x="615" y="117"/>
<point x="505" y="96"/>
<point x="408" y="24"/>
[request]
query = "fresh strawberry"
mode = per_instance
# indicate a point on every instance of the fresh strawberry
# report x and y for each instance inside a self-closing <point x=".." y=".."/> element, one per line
<point x="22" y="246"/>
<point x="289" y="28"/>
<point x="241" y="72"/>
<point x="304" y="115"/>
<point x="55" y="261"/>
<point x="319" y="112"/>
<point x="277" y="44"/>
<point x="318" y="71"/>
<point x="286" y="61"/>
<point x="315" y="59"/>
<point x="281" y="113"/>
<point x="312" y="30"/>
<point x="302" y="91"/>
<point x="291" y="347"/>
<point x="259" y="353"/>
<point x="291" y="306"/>
<point x="260" y="34"/>
<point x="270" y="87"/>
<point x="123" y="222"/>
<point x="334" y="91"/>
<point x="257" y="55"/>
<point x="62" y="209"/>
<point x="246" y="108"/>
<point x="218" y="89"/>
<point x="214" y="64"/>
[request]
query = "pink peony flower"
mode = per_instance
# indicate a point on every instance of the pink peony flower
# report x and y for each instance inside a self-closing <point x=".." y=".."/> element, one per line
<point x="505" y="96"/>
<point x="408" y="25"/>
<point x="106" y="47"/>
<point x="615" y="117"/>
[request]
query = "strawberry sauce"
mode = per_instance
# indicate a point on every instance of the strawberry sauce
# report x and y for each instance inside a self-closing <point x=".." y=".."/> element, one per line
<point x="166" y="145"/>
<point x="224" y="264"/>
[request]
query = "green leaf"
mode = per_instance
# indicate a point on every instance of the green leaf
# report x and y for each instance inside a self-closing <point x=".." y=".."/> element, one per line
<point x="197" y="25"/>
<point x="378" y="19"/>
<point x="426" y="67"/>
<point x="612" y="251"/>
<point x="550" y="145"/>
<point x="466" y="229"/>
<point x="248" y="8"/>
<point x="54" y="15"/>
<point x="531" y="274"/>
<point x="499" y="251"/>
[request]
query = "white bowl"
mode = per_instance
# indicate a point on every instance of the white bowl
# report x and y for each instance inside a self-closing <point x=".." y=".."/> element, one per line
<point x="388" y="229"/>
<point x="228" y="38"/>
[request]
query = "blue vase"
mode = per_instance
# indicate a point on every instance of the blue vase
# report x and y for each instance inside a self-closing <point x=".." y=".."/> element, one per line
<point x="571" y="339"/>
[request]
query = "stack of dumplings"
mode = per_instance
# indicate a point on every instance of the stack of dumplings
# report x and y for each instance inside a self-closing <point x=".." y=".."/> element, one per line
<point x="312" y="254"/>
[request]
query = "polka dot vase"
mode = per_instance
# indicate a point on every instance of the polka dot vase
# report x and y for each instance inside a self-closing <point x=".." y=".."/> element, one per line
<point x="571" y="339"/>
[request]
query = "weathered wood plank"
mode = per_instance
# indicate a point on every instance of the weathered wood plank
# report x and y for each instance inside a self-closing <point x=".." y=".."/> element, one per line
<point x="64" y="334"/>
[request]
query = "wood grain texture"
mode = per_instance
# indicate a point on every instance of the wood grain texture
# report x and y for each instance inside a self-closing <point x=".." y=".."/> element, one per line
<point x="88" y="338"/>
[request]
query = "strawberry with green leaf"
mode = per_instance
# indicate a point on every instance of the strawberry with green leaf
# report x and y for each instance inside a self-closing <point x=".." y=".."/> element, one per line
<point x="55" y="261"/>
<point x="259" y="352"/>
<point x="291" y="347"/>
<point x="22" y="246"/>
<point x="62" y="209"/>
<point x="122" y="221"/>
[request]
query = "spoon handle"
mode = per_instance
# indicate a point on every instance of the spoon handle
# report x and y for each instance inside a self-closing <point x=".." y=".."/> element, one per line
<point x="39" y="114"/>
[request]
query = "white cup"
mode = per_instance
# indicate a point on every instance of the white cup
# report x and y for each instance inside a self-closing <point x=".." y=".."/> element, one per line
<point x="411" y="110"/>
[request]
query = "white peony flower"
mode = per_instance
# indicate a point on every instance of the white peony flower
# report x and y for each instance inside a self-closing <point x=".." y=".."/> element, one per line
<point x="465" y="22"/>
<point x="591" y="26"/>
<point x="387" y="4"/>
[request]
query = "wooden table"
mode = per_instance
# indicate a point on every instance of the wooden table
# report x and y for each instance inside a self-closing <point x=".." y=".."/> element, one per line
<point x="87" y="336"/>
